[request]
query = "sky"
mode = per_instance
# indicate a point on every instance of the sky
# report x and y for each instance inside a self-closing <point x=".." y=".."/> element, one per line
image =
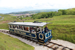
<point x="7" y="6"/>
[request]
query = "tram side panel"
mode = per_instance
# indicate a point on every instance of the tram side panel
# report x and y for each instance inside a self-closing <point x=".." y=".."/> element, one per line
<point x="21" y="32"/>
<point x="38" y="36"/>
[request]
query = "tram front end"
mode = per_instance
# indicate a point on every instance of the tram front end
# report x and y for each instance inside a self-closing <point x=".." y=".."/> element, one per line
<point x="45" y="37"/>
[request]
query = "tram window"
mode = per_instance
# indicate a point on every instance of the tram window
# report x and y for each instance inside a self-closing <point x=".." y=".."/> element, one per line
<point x="38" y="29"/>
<point x="26" y="28"/>
<point x="32" y="29"/>
<point x="13" y="26"/>
<point x="17" y="26"/>
<point x="21" y="27"/>
<point x="10" y="26"/>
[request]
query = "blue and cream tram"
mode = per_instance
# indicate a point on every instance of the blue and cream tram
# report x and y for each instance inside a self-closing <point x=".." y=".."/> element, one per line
<point x="34" y="30"/>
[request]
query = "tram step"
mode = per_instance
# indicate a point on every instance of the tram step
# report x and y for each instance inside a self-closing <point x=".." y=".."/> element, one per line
<point x="41" y="41"/>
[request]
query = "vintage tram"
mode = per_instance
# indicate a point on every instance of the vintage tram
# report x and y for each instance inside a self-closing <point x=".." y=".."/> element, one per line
<point x="33" y="30"/>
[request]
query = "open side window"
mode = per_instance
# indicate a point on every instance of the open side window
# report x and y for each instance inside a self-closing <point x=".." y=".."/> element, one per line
<point x="20" y="27"/>
<point x="26" y="28"/>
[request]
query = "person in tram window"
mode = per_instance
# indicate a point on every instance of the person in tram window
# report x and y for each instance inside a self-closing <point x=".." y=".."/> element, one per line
<point x="27" y="28"/>
<point x="15" y="27"/>
<point x="38" y="29"/>
<point x="30" y="29"/>
<point x="24" y="28"/>
<point x="46" y="29"/>
<point x="21" y="27"/>
<point x="33" y="30"/>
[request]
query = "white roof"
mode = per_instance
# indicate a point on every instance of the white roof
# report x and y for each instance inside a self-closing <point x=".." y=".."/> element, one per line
<point x="28" y="23"/>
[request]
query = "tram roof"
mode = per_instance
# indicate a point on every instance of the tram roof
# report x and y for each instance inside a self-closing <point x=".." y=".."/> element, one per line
<point x="28" y="23"/>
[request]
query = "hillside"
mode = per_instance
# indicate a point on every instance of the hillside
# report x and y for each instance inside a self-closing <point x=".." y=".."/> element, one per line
<point x="7" y="17"/>
<point x="34" y="11"/>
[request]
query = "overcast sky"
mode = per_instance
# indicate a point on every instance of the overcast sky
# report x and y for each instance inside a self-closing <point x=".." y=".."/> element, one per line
<point x="7" y="6"/>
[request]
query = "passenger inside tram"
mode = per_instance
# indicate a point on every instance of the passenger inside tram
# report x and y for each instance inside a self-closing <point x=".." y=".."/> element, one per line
<point x="10" y="26"/>
<point x="46" y="29"/>
<point x="24" y="28"/>
<point x="20" y="27"/>
<point x="32" y="29"/>
<point x="38" y="29"/>
<point x="17" y="26"/>
<point x="13" y="26"/>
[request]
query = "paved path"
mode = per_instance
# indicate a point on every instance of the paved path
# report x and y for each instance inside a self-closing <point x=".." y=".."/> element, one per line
<point x="2" y="18"/>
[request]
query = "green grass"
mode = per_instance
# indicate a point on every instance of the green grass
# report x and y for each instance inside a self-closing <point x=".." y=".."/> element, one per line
<point x="9" y="43"/>
<point x="62" y="20"/>
<point x="64" y="32"/>
<point x="4" y="26"/>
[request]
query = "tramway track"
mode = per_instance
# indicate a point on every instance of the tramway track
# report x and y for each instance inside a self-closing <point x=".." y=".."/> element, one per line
<point x="50" y="45"/>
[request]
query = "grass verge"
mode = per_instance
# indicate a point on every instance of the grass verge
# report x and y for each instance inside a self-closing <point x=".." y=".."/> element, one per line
<point x="10" y="43"/>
